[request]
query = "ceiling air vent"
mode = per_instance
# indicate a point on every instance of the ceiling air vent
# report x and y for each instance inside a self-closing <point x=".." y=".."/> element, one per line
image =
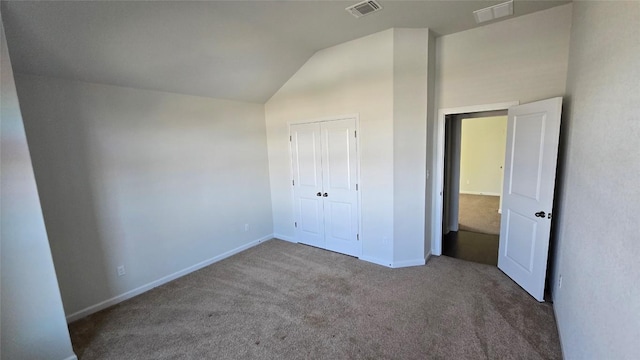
<point x="494" y="12"/>
<point x="364" y="8"/>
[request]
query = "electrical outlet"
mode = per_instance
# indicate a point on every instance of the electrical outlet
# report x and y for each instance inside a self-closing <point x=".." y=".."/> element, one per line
<point x="121" y="270"/>
<point x="246" y="227"/>
<point x="560" y="282"/>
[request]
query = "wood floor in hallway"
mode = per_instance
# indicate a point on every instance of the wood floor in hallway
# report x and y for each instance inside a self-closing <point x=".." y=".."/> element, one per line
<point x="471" y="246"/>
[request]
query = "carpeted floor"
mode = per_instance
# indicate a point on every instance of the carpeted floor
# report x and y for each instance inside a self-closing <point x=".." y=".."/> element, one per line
<point x="479" y="213"/>
<point x="281" y="300"/>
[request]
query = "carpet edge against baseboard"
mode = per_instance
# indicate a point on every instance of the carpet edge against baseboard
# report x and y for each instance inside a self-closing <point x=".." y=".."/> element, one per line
<point x="408" y="263"/>
<point x="385" y="263"/>
<point x="428" y="257"/>
<point x="285" y="238"/>
<point x="381" y="262"/>
<point x="163" y="280"/>
<point x="555" y="315"/>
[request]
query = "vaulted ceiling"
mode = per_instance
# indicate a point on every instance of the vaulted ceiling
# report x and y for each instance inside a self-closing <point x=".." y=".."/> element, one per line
<point x="237" y="50"/>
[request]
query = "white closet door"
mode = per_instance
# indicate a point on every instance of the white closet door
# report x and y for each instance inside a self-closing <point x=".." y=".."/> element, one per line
<point x="307" y="187"/>
<point x="339" y="177"/>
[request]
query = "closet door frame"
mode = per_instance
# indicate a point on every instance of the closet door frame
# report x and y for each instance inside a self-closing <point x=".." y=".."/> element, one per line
<point x="356" y="118"/>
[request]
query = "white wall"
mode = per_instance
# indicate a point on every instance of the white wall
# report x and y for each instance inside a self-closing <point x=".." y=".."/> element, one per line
<point x="410" y="65"/>
<point x="521" y="59"/>
<point x="154" y="181"/>
<point x="482" y="146"/>
<point x="354" y="77"/>
<point x="32" y="318"/>
<point x="384" y="79"/>
<point x="598" y="306"/>
<point x="431" y="124"/>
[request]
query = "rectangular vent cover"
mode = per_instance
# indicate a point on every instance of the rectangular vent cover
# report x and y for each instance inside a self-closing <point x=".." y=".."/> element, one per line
<point x="364" y="8"/>
<point x="494" y="12"/>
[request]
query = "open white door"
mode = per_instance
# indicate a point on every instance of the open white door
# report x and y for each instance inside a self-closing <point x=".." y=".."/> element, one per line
<point x="529" y="181"/>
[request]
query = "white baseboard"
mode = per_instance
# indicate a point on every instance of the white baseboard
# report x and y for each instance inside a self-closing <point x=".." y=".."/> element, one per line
<point x="285" y="238"/>
<point x="408" y="263"/>
<point x="427" y="258"/>
<point x="72" y="357"/>
<point x="480" y="193"/>
<point x="555" y="314"/>
<point x="144" y="288"/>
<point x="376" y="261"/>
<point x="363" y="258"/>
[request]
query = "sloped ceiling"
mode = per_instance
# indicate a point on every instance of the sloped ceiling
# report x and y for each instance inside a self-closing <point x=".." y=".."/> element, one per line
<point x="237" y="50"/>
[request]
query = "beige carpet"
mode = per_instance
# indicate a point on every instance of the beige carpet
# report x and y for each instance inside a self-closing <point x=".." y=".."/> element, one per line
<point x="479" y="213"/>
<point x="288" y="301"/>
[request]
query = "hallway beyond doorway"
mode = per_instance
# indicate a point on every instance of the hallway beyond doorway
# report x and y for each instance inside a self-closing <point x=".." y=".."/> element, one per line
<point x="479" y="213"/>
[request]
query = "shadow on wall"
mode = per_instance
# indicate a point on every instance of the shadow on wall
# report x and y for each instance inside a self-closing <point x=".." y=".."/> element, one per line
<point x="155" y="182"/>
<point x="63" y="166"/>
<point x="554" y="238"/>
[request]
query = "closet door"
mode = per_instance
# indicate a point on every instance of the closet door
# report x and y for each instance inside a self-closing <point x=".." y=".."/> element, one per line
<point x="339" y="181"/>
<point x="307" y="184"/>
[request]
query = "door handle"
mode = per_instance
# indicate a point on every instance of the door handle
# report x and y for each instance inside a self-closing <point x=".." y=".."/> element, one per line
<point x="541" y="214"/>
<point x="319" y="194"/>
<point x="325" y="195"/>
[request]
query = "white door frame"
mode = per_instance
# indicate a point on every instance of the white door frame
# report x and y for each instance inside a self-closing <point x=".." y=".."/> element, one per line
<point x="437" y="204"/>
<point x="356" y="117"/>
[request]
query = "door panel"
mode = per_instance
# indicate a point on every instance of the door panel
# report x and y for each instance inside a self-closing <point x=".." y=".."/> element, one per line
<point x="310" y="214"/>
<point x="520" y="248"/>
<point x="339" y="215"/>
<point x="307" y="151"/>
<point x="307" y="182"/>
<point x="530" y="167"/>
<point x="526" y="160"/>
<point x="339" y="174"/>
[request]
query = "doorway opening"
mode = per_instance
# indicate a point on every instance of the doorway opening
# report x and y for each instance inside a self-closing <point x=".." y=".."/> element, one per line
<point x="438" y="220"/>
<point x="472" y="190"/>
<point x="533" y="131"/>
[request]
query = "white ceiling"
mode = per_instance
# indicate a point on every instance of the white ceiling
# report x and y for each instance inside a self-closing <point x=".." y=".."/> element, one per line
<point x="238" y="50"/>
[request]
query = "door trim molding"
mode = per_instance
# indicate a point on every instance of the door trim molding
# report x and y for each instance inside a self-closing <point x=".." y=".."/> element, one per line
<point x="325" y="118"/>
<point x="356" y="117"/>
<point x="438" y="170"/>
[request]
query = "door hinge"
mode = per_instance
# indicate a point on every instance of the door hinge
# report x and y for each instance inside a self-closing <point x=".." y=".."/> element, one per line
<point x="358" y="237"/>
<point x="289" y="138"/>
<point x="356" y="187"/>
<point x="295" y="224"/>
<point x="293" y="182"/>
<point x="355" y="133"/>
